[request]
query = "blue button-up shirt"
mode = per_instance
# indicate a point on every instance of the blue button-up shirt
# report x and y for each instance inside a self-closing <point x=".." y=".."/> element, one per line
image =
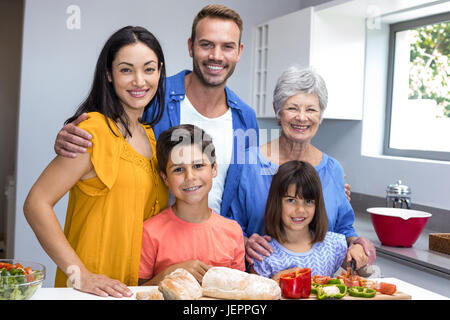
<point x="246" y="202"/>
<point x="245" y="125"/>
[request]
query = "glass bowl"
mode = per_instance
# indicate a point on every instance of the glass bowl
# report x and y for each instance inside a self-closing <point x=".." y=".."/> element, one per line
<point x="22" y="281"/>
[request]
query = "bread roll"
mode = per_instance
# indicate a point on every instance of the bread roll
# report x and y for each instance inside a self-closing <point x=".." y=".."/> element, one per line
<point x="150" y="294"/>
<point x="227" y="283"/>
<point x="180" y="285"/>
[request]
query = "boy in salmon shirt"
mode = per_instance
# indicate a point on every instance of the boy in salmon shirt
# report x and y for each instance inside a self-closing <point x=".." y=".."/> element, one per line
<point x="189" y="234"/>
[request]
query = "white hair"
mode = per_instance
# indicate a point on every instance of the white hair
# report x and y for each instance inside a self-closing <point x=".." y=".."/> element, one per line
<point x="295" y="80"/>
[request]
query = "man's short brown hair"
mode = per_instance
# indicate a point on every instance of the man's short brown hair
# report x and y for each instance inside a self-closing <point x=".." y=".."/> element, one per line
<point x="217" y="11"/>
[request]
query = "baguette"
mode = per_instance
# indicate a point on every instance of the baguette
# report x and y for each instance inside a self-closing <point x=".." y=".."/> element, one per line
<point x="180" y="285"/>
<point x="150" y="294"/>
<point x="227" y="283"/>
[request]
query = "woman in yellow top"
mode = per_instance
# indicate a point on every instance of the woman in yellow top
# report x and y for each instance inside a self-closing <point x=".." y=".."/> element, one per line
<point x="116" y="185"/>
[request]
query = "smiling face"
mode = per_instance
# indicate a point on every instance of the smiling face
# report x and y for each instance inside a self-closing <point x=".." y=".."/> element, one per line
<point x="135" y="76"/>
<point x="297" y="213"/>
<point x="189" y="174"/>
<point x="216" y="50"/>
<point x="300" y="117"/>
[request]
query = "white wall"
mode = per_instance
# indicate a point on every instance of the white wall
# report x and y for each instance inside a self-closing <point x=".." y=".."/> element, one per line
<point x="58" y="64"/>
<point x="358" y="144"/>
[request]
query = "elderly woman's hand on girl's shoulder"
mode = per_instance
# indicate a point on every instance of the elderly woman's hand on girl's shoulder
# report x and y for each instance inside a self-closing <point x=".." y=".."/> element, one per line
<point x="257" y="245"/>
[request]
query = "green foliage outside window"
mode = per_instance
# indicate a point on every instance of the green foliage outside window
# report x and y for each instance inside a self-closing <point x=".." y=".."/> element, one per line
<point x="430" y="69"/>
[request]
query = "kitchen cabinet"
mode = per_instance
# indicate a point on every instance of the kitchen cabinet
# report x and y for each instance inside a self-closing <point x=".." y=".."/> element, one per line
<point x="331" y="39"/>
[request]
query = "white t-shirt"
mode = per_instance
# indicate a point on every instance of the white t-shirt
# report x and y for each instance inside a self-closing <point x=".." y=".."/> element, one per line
<point x="221" y="131"/>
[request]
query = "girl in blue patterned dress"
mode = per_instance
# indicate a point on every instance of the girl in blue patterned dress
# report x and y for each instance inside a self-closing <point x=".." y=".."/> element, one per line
<point x="296" y="219"/>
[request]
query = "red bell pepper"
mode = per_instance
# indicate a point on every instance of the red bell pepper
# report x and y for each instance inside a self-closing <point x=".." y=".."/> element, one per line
<point x="296" y="284"/>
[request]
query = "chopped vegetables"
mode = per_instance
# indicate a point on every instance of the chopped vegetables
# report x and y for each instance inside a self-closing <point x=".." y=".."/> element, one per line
<point x="356" y="286"/>
<point x="362" y="292"/>
<point x="326" y="287"/>
<point x="320" y="279"/>
<point x="333" y="291"/>
<point x="386" y="288"/>
<point x="349" y="280"/>
<point x="296" y="284"/>
<point x="17" y="282"/>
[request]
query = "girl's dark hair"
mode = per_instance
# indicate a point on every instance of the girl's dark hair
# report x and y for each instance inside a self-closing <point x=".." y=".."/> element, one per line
<point x="185" y="134"/>
<point x="307" y="186"/>
<point x="102" y="97"/>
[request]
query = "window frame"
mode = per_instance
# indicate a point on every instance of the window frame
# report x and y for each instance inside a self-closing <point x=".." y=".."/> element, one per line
<point x="393" y="29"/>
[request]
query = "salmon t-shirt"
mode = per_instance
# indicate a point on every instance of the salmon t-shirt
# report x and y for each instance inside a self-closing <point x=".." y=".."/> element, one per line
<point x="167" y="240"/>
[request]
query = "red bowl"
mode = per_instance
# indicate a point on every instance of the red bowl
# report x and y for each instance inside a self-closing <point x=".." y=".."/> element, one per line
<point x="398" y="227"/>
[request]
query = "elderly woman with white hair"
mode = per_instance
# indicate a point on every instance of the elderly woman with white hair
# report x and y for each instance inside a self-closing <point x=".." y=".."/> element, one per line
<point x="299" y="101"/>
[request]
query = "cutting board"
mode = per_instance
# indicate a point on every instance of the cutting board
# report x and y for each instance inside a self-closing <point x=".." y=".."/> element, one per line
<point x="396" y="296"/>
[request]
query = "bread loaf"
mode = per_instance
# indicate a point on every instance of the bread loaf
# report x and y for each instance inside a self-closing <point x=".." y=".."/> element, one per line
<point x="150" y="294"/>
<point x="227" y="283"/>
<point x="180" y="285"/>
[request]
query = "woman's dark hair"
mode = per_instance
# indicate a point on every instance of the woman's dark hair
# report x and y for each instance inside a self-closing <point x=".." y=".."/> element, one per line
<point x="185" y="134"/>
<point x="307" y="186"/>
<point x="102" y="96"/>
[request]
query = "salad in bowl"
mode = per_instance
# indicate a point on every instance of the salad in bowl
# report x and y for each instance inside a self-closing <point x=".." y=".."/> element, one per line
<point x="20" y="279"/>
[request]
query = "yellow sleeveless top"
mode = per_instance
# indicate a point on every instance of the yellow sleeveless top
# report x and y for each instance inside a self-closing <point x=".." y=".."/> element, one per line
<point x="105" y="214"/>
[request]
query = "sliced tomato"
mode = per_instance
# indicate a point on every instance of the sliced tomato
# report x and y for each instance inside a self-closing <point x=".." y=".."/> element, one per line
<point x="348" y="282"/>
<point x="321" y="279"/>
<point x="356" y="281"/>
<point x="8" y="266"/>
<point x="30" y="277"/>
<point x="18" y="265"/>
<point x="386" y="288"/>
<point x="349" y="272"/>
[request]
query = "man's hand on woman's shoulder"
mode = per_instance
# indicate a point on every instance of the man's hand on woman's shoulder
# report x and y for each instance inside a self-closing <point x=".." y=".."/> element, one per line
<point x="72" y="140"/>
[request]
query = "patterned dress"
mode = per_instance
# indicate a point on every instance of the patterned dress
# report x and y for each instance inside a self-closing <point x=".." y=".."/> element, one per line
<point x="324" y="258"/>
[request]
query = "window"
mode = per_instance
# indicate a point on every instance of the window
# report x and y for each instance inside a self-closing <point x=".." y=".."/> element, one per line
<point x="418" y="100"/>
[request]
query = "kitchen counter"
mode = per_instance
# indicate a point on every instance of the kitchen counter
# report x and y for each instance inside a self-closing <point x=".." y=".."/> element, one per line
<point x="418" y="256"/>
<point x="417" y="293"/>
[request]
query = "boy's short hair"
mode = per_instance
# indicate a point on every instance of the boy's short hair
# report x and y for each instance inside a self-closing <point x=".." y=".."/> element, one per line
<point x="308" y="186"/>
<point x="185" y="134"/>
<point x="217" y="11"/>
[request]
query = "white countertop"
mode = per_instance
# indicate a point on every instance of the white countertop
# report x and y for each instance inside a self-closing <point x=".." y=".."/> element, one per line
<point x="416" y="292"/>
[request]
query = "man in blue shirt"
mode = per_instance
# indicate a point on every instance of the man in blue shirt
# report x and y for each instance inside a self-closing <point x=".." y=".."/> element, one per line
<point x="200" y="97"/>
